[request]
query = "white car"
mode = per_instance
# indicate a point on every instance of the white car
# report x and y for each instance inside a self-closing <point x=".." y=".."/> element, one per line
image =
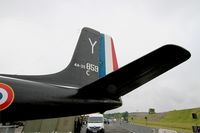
<point x="95" y="123"/>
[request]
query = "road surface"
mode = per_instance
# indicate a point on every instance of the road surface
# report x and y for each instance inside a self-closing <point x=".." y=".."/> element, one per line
<point x="125" y="128"/>
<point x="111" y="128"/>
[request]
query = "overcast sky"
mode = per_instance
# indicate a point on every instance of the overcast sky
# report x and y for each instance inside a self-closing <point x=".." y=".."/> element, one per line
<point x="39" y="37"/>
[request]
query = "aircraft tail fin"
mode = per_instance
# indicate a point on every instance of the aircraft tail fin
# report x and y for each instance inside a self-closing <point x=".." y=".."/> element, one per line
<point x="94" y="57"/>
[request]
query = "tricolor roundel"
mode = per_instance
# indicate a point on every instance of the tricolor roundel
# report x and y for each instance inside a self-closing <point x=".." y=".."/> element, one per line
<point x="6" y="96"/>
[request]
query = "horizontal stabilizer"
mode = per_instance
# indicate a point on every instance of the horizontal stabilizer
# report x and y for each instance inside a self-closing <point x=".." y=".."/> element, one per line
<point x="135" y="74"/>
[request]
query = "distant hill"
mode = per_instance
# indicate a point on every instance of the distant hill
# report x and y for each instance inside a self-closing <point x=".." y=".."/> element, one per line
<point x="139" y="114"/>
<point x="180" y="120"/>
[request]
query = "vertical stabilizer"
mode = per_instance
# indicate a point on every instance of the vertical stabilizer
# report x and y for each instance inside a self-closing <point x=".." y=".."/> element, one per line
<point x="94" y="57"/>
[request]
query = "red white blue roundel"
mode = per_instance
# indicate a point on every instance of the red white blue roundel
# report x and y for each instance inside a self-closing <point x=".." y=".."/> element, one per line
<point x="6" y="96"/>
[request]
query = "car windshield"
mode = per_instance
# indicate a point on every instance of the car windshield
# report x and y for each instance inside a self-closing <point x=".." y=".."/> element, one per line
<point x="95" y="120"/>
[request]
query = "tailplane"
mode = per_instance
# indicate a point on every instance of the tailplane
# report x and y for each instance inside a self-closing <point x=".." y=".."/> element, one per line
<point x="136" y="73"/>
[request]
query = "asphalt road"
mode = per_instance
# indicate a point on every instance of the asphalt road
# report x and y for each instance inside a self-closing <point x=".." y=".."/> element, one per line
<point x="117" y="127"/>
<point x="125" y="128"/>
<point x="111" y="128"/>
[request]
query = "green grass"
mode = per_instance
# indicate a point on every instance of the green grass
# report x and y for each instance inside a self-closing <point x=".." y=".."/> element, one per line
<point x="179" y="120"/>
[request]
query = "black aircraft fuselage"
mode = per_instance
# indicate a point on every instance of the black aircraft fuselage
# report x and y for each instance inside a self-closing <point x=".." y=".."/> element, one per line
<point x="49" y="100"/>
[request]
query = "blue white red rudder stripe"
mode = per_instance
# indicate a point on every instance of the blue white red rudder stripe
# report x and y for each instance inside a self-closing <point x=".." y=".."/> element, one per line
<point x="6" y="96"/>
<point x="107" y="56"/>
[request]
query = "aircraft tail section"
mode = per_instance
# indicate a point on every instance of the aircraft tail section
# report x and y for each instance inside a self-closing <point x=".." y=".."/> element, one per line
<point x="94" y="57"/>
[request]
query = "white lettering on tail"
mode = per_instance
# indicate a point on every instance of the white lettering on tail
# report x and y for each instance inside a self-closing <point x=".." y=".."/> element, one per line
<point x="92" y="44"/>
